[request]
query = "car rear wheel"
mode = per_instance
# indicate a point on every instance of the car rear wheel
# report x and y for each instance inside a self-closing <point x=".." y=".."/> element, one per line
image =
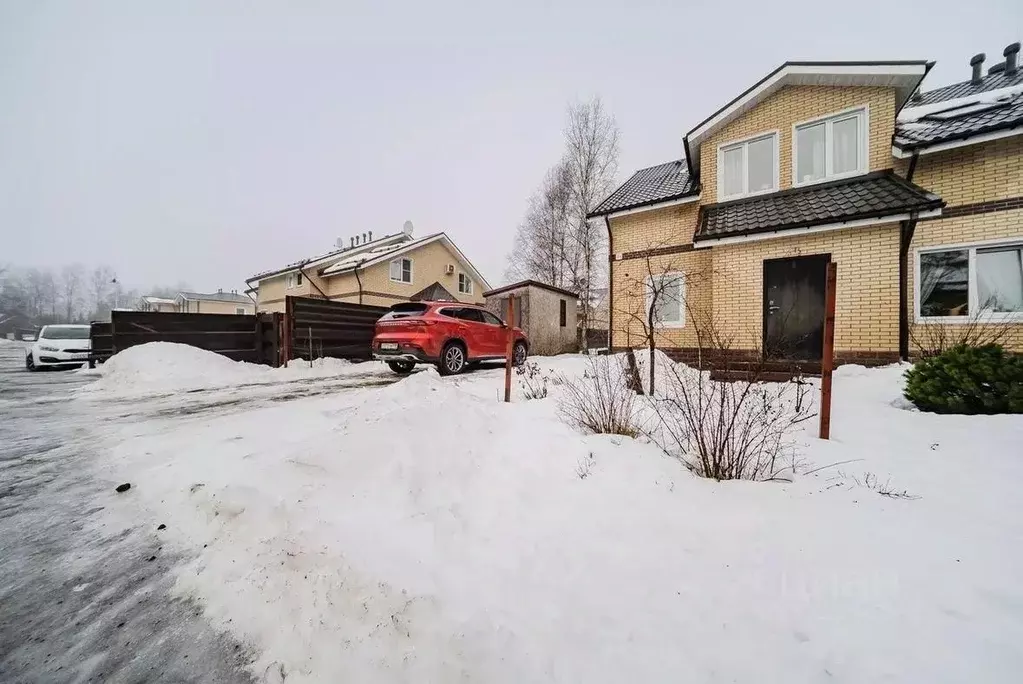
<point x="452" y="359"/>
<point x="519" y="354"/>
<point x="401" y="367"/>
<point x="29" y="363"/>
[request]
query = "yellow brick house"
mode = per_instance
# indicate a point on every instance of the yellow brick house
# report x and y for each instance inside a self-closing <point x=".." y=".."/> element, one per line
<point x="916" y="196"/>
<point x="383" y="271"/>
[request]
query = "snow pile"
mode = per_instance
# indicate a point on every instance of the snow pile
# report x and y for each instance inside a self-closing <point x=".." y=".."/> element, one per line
<point x="424" y="531"/>
<point x="168" y="366"/>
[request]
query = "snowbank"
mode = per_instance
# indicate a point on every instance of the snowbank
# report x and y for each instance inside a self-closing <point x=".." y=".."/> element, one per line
<point x="161" y="367"/>
<point x="426" y="532"/>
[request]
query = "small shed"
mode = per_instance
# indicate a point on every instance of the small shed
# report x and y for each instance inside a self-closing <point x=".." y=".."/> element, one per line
<point x="546" y="313"/>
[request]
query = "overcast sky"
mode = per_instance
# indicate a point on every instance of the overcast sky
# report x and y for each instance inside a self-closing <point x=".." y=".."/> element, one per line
<point x="205" y="141"/>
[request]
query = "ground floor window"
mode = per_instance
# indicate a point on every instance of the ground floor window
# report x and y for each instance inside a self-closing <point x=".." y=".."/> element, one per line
<point x="956" y="283"/>
<point x="666" y="297"/>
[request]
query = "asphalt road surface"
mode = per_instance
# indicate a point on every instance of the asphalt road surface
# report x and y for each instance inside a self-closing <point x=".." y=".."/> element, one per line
<point x="77" y="604"/>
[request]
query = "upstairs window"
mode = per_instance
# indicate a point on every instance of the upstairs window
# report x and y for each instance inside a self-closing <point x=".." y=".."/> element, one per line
<point x="293" y="280"/>
<point x="401" y="270"/>
<point x="832" y="147"/>
<point x="464" y="284"/>
<point x="749" y="167"/>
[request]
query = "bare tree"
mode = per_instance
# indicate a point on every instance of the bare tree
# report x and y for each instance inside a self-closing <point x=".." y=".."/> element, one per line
<point x="544" y="249"/>
<point x="101" y="281"/>
<point x="71" y="278"/>
<point x="591" y="155"/>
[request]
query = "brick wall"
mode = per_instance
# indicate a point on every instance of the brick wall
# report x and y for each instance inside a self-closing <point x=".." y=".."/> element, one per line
<point x="795" y="104"/>
<point x="969" y="175"/>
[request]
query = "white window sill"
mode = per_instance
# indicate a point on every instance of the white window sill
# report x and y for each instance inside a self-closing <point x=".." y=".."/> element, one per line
<point x="983" y="319"/>
<point x="826" y="179"/>
<point x="401" y="282"/>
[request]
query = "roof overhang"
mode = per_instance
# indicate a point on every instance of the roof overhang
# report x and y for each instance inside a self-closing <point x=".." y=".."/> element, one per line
<point x="903" y="76"/>
<point x="907" y="151"/>
<point x="792" y="232"/>
<point x="648" y="206"/>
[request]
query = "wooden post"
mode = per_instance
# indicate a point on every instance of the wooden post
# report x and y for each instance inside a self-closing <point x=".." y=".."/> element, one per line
<point x="510" y="326"/>
<point x="828" y="357"/>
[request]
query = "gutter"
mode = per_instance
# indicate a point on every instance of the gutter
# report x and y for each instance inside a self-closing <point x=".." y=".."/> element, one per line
<point x="358" y="279"/>
<point x="301" y="269"/>
<point x="610" y="283"/>
<point x="906" y="230"/>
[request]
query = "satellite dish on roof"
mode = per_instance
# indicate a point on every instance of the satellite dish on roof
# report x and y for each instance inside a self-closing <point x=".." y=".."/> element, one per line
<point x="407" y="228"/>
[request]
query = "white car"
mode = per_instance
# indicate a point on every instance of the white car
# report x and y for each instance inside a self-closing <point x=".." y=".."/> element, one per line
<point x="59" y="345"/>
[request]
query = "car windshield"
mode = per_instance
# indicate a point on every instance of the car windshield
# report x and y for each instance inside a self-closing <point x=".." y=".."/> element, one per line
<point x="69" y="333"/>
<point x="405" y="311"/>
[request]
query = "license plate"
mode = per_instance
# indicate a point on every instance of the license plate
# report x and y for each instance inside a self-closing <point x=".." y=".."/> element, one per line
<point x="80" y="356"/>
<point x="390" y="346"/>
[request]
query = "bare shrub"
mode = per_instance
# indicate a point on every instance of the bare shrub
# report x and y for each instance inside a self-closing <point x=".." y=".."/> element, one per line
<point x="584" y="467"/>
<point x="933" y="339"/>
<point x="601" y="400"/>
<point x="532" y="381"/>
<point x="873" y="482"/>
<point x="728" y="430"/>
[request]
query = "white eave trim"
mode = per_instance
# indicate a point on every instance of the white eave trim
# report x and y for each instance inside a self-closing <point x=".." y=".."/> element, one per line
<point x="651" y="207"/>
<point x="773" y="82"/>
<point x="900" y="153"/>
<point x="791" y="232"/>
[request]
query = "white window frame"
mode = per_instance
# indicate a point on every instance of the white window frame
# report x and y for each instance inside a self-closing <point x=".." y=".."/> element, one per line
<point x="975" y="315"/>
<point x="744" y="144"/>
<point x="239" y="310"/>
<point x="862" y="111"/>
<point x="468" y="280"/>
<point x="681" y="323"/>
<point x="289" y="281"/>
<point x="401" y="271"/>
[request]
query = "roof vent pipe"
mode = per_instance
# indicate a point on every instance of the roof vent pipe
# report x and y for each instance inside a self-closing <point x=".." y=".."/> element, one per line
<point x="351" y="242"/>
<point x="978" y="68"/>
<point x="996" y="69"/>
<point x="371" y="236"/>
<point x="363" y="238"/>
<point x="1011" y="58"/>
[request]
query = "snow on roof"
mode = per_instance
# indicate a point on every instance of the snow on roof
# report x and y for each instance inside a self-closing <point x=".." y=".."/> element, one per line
<point x="353" y="260"/>
<point x="216" y="297"/>
<point x="158" y="300"/>
<point x="346" y="251"/>
<point x="910" y="114"/>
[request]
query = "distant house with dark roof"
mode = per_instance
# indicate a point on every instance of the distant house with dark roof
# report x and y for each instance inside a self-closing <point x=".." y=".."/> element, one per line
<point x="916" y="196"/>
<point x="382" y="271"/>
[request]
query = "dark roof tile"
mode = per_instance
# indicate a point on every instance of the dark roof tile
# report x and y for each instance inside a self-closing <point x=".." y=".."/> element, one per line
<point x="873" y="195"/>
<point x="967" y="88"/>
<point x="661" y="183"/>
<point x="930" y="131"/>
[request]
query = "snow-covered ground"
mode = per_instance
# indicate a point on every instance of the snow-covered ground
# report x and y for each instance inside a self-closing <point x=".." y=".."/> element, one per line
<point x="424" y="531"/>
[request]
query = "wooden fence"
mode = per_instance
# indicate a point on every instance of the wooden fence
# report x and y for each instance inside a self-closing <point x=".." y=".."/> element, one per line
<point x="240" y="337"/>
<point x="101" y="340"/>
<point x="319" y="327"/>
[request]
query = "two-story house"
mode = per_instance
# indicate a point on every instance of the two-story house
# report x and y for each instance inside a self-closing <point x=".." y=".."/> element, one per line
<point x="382" y="271"/>
<point x="916" y="196"/>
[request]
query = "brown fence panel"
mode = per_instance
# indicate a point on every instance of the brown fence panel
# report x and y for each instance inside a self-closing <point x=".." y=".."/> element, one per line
<point x="319" y="327"/>
<point x="101" y="342"/>
<point x="236" y="336"/>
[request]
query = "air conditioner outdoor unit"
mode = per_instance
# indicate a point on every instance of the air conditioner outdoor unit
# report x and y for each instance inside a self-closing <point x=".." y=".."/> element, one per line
<point x="450" y="269"/>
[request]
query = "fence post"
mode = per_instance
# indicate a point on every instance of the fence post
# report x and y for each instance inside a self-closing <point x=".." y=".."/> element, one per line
<point x="510" y="326"/>
<point x="828" y="357"/>
<point x="288" y="333"/>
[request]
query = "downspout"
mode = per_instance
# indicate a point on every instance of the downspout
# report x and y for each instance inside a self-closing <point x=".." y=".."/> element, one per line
<point x="610" y="282"/>
<point x="312" y="282"/>
<point x="906" y="230"/>
<point x="358" y="279"/>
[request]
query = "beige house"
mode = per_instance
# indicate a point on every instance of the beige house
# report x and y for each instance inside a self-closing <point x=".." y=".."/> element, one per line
<point x="381" y="272"/>
<point x="547" y="314"/>
<point x="916" y="196"/>
<point x="219" y="302"/>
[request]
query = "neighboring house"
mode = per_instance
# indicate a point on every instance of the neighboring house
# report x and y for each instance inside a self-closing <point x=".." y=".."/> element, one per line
<point x="918" y="198"/>
<point x="153" y="303"/>
<point x="219" y="302"/>
<point x="381" y="272"/>
<point x="547" y="314"/>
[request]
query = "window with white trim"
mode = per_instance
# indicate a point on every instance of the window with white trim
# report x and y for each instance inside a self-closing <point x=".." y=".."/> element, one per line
<point x="464" y="284"/>
<point x="983" y="282"/>
<point x="239" y="309"/>
<point x="401" y="270"/>
<point x="293" y="280"/>
<point x="832" y="147"/>
<point x="665" y="295"/>
<point x="748" y="167"/>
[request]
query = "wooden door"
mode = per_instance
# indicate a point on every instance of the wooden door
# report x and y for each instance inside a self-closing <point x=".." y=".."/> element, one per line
<point x="794" y="307"/>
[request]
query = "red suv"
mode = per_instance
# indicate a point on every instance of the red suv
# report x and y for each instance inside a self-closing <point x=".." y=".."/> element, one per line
<point x="451" y="335"/>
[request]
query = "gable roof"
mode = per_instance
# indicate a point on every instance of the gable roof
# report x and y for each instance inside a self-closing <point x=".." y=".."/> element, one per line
<point x="433" y="293"/>
<point x="232" y="297"/>
<point x="989" y="82"/>
<point x="333" y="254"/>
<point x="530" y="283"/>
<point x="877" y="195"/>
<point x="653" y="185"/>
<point x="376" y="256"/>
<point x="904" y="76"/>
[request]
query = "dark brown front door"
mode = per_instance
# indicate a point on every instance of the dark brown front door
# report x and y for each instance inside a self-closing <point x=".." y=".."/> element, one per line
<point x="794" y="307"/>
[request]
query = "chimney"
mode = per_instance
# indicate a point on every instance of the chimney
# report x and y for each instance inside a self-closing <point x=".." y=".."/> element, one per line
<point x="1011" y="58"/>
<point x="978" y="68"/>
